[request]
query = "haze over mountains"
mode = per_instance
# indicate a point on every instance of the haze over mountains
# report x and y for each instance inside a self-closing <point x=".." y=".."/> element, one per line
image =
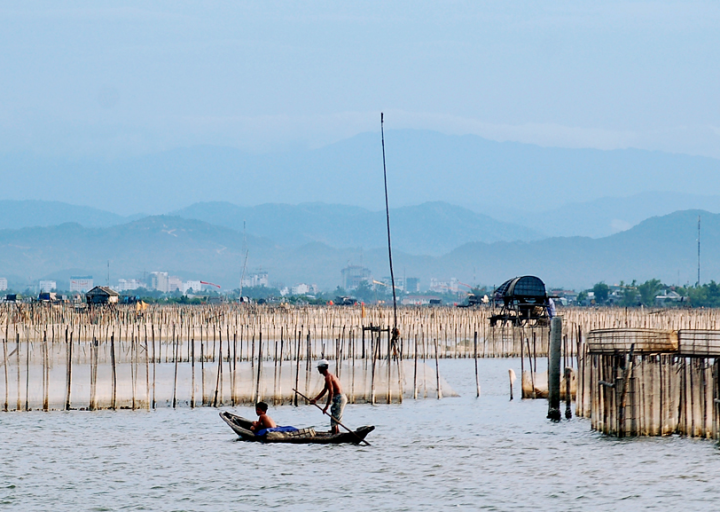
<point x="497" y="178"/>
<point x="465" y="207"/>
<point x="662" y="247"/>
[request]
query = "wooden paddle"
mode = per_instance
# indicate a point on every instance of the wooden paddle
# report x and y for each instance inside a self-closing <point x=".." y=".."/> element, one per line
<point x="333" y="417"/>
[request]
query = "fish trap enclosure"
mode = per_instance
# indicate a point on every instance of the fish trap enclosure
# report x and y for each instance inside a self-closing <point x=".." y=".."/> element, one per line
<point x="57" y="356"/>
<point x="636" y="382"/>
<point x="126" y="375"/>
<point x="140" y="366"/>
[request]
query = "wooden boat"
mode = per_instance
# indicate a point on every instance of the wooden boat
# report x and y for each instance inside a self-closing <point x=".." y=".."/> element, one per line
<point x="241" y="427"/>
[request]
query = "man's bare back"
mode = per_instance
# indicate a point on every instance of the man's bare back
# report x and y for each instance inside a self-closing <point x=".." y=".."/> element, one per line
<point x="332" y="385"/>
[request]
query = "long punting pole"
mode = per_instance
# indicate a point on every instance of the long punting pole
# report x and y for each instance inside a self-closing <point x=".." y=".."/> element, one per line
<point x="387" y="216"/>
<point x="332" y="417"/>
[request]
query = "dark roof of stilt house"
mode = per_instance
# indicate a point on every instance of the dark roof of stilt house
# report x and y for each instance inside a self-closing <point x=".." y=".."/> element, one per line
<point x="101" y="292"/>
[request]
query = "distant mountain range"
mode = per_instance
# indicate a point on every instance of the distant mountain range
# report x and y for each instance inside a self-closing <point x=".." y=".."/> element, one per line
<point x="608" y="215"/>
<point x="25" y="214"/>
<point x="663" y="247"/>
<point x="430" y="228"/>
<point x="496" y="178"/>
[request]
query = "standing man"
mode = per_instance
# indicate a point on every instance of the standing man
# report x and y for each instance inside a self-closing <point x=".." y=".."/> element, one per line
<point x="335" y="395"/>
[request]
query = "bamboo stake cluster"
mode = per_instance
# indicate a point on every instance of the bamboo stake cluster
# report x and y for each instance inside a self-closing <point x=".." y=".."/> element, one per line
<point x="130" y="357"/>
<point x="662" y="383"/>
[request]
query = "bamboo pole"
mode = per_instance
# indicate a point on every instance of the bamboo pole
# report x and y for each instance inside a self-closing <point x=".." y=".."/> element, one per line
<point x="69" y="372"/>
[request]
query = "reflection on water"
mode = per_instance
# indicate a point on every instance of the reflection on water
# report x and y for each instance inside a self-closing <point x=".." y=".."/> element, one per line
<point x="459" y="453"/>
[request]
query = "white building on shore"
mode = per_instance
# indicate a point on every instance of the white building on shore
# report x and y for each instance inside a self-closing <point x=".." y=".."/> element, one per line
<point x="81" y="284"/>
<point x="47" y="286"/>
<point x="256" y="279"/>
<point x="125" y="285"/>
<point x="192" y="286"/>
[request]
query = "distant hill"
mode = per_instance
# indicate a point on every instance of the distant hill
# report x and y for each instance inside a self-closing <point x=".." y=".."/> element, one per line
<point x="423" y="166"/>
<point x="189" y="248"/>
<point x="609" y="215"/>
<point x="22" y="214"/>
<point x="663" y="247"/>
<point x="430" y="228"/>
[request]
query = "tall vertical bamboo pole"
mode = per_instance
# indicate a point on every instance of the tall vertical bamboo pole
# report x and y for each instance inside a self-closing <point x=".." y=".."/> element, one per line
<point x="69" y="372"/>
<point x="113" y="400"/>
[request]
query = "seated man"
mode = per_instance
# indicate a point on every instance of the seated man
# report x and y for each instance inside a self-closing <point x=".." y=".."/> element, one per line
<point x="264" y="421"/>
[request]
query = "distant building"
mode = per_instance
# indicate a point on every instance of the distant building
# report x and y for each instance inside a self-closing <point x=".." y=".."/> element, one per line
<point x="403" y="284"/>
<point x="444" y="286"/>
<point x="353" y="275"/>
<point x="161" y="282"/>
<point x="125" y="285"/>
<point x="304" y="289"/>
<point x="3" y="283"/>
<point x="102" y="295"/>
<point x="669" y="298"/>
<point x="81" y="283"/>
<point x="174" y="284"/>
<point x="256" y="279"/>
<point x="194" y="286"/>
<point x="47" y="286"/>
<point x="417" y="300"/>
<point x="412" y="284"/>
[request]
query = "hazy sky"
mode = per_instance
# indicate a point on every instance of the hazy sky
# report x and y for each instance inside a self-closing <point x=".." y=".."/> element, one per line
<point x="91" y="78"/>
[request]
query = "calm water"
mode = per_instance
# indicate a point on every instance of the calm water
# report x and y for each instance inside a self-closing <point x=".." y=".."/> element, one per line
<point x="458" y="453"/>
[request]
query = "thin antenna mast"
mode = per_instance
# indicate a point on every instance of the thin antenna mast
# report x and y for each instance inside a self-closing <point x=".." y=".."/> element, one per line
<point x="698" y="280"/>
<point x="387" y="216"/>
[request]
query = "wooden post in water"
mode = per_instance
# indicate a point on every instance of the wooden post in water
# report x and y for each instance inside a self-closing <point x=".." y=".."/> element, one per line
<point x="114" y="374"/>
<point x="192" y="366"/>
<point x="511" y="376"/>
<point x="568" y="396"/>
<point x="27" y="374"/>
<point x="176" y="357"/>
<point x="202" y="369"/>
<point x="258" y="395"/>
<point x="308" y="362"/>
<point x="219" y="370"/>
<point x="297" y="367"/>
<point x="133" y="367"/>
<point x="5" y="357"/>
<point x="153" y="365"/>
<point x="352" y="355"/>
<point x="275" y="375"/>
<point x="629" y="364"/>
<point x="477" y="378"/>
<point x="415" y="388"/>
<point x="234" y="369"/>
<point x="46" y="373"/>
<point x="437" y="371"/>
<point x="69" y="372"/>
<point x="389" y="363"/>
<point x="554" y="370"/>
<point x="376" y="344"/>
<point x="18" y="406"/>
<point x="280" y="363"/>
<point x="93" y="374"/>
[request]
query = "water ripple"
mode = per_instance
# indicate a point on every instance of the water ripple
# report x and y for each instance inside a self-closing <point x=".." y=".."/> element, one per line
<point x="458" y="453"/>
